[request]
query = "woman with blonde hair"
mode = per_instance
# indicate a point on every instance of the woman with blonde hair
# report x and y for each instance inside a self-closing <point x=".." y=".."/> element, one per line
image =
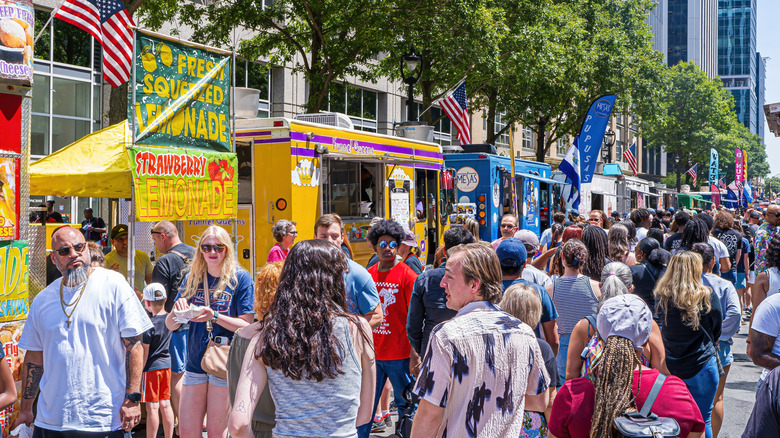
<point x="690" y="317"/>
<point x="263" y="417"/>
<point x="523" y="302"/>
<point x="215" y="276"/>
<point x="472" y="225"/>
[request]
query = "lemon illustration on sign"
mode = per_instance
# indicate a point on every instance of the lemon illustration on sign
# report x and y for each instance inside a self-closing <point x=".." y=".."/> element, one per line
<point x="166" y="56"/>
<point x="147" y="57"/>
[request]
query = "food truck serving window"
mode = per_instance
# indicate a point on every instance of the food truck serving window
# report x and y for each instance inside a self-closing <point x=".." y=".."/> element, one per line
<point x="353" y="189"/>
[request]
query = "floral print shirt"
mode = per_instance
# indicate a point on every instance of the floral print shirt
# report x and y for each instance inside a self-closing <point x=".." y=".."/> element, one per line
<point x="764" y="235"/>
<point x="478" y="367"/>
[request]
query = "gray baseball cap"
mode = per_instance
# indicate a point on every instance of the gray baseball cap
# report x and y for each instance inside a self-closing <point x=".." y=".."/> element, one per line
<point x="626" y="316"/>
<point x="528" y="238"/>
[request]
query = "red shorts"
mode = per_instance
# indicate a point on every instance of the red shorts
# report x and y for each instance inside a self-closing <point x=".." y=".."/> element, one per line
<point x="156" y="385"/>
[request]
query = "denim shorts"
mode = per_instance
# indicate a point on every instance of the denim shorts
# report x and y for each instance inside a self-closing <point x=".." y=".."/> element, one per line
<point x="741" y="281"/>
<point x="178" y="349"/>
<point x="191" y="378"/>
<point x="725" y="354"/>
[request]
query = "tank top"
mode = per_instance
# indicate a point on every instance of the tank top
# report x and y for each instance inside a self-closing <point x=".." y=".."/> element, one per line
<point x="307" y="408"/>
<point x="774" y="281"/>
<point x="574" y="299"/>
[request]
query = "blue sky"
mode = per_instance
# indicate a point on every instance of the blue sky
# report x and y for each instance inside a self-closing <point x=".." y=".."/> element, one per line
<point x="768" y="13"/>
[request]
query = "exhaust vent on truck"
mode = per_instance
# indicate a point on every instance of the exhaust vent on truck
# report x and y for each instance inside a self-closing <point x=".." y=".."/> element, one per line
<point x="338" y="120"/>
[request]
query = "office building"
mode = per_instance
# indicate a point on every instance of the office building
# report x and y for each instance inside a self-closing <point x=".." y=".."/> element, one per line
<point x="737" y="59"/>
<point x="693" y="33"/>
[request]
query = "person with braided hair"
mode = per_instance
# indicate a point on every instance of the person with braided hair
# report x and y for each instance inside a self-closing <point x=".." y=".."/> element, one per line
<point x="587" y="407"/>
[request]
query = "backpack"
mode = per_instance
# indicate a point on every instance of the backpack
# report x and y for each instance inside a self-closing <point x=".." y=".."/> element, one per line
<point x="644" y="424"/>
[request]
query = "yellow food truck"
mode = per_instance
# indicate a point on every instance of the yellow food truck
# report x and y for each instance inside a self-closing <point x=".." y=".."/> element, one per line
<point x="299" y="170"/>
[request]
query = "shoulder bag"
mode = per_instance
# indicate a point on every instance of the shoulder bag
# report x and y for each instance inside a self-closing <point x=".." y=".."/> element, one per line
<point x="644" y="424"/>
<point x="214" y="360"/>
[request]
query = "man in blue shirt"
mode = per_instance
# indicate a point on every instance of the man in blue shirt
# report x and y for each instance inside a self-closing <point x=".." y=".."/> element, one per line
<point x="513" y="256"/>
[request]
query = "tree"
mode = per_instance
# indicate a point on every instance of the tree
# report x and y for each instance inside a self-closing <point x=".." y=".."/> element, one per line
<point x="323" y="40"/>
<point x="689" y="113"/>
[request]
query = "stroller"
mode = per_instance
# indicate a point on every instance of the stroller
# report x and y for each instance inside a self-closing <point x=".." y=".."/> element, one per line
<point x="403" y="428"/>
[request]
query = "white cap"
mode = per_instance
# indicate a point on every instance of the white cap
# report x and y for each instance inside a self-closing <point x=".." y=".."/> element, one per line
<point x="155" y="292"/>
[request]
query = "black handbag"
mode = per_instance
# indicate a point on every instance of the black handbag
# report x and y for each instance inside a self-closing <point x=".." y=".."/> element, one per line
<point x="644" y="424"/>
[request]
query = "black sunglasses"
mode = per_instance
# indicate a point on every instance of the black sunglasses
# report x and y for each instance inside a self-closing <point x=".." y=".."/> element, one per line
<point x="65" y="250"/>
<point x="218" y="248"/>
<point x="773" y="214"/>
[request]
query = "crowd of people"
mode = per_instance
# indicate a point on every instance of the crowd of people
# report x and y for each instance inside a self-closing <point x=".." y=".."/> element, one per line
<point x="599" y="319"/>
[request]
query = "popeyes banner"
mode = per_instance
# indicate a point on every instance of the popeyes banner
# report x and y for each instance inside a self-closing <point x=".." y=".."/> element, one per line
<point x="14" y="260"/>
<point x="184" y="184"/>
<point x="181" y="95"/>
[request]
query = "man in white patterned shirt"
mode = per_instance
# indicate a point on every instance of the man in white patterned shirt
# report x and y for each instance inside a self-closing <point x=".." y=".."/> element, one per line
<point x="480" y="365"/>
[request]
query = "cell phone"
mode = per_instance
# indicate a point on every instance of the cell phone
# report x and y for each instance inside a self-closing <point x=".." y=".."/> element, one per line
<point x="222" y="340"/>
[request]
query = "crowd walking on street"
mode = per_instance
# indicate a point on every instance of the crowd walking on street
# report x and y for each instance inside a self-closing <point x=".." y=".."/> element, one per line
<point x="599" y="324"/>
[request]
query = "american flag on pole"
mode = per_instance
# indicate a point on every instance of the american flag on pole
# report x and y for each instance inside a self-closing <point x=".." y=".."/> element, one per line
<point x="722" y="183"/>
<point x="630" y="156"/>
<point x="692" y="173"/>
<point x="107" y="21"/>
<point x="456" y="108"/>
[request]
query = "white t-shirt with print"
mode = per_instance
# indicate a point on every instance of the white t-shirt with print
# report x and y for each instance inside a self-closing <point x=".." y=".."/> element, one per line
<point x="84" y="378"/>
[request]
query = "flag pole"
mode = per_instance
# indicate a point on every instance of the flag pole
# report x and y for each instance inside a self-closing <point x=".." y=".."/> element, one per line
<point x="450" y="90"/>
<point x="51" y="16"/>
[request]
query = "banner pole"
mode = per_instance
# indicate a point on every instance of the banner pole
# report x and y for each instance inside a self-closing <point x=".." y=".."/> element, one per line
<point x="131" y="87"/>
<point x="233" y="135"/>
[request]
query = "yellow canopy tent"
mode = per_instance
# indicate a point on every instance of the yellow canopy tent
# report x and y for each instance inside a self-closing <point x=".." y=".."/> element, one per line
<point x="94" y="166"/>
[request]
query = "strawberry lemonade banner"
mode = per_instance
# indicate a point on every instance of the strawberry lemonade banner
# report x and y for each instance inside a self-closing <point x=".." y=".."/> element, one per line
<point x="182" y="95"/>
<point x="180" y="184"/>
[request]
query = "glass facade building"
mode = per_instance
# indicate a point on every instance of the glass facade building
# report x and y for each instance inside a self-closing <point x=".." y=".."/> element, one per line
<point x="693" y="33"/>
<point x="737" y="58"/>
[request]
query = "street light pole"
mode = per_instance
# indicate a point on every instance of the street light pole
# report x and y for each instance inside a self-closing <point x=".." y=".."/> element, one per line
<point x="411" y="60"/>
<point x="609" y="141"/>
<point x="677" y="170"/>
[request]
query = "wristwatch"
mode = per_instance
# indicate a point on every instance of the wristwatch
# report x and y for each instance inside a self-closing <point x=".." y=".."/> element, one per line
<point x="214" y="318"/>
<point x="134" y="397"/>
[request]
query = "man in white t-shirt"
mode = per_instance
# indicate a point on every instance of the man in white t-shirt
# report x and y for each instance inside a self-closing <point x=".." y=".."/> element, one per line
<point x="83" y="348"/>
<point x="764" y="338"/>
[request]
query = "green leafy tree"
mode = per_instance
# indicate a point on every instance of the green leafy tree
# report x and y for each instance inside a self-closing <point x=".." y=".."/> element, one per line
<point x="689" y="113"/>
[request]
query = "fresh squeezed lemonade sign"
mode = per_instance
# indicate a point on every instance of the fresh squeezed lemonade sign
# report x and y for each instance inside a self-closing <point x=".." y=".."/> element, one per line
<point x="182" y="95"/>
<point x="14" y="260"/>
<point x="178" y="184"/>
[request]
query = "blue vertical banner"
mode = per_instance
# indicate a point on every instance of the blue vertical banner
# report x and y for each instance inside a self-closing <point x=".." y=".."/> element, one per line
<point x="713" y="179"/>
<point x="592" y="134"/>
<point x="570" y="166"/>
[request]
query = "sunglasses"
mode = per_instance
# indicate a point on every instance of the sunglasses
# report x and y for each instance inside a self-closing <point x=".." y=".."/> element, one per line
<point x="774" y="214"/>
<point x="156" y="232"/>
<point x="218" y="248"/>
<point x="392" y="244"/>
<point x="293" y="233"/>
<point x="507" y="226"/>
<point x="65" y="250"/>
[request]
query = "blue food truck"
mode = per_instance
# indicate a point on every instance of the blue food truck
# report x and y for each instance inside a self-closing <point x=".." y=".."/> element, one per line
<point x="483" y="177"/>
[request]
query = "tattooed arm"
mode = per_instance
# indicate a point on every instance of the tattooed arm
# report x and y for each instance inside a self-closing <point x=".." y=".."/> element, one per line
<point x="250" y="385"/>
<point x="130" y="413"/>
<point x="32" y="371"/>
<point x="760" y="349"/>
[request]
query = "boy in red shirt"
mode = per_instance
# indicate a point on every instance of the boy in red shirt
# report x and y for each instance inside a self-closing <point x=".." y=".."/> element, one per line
<point x="395" y="281"/>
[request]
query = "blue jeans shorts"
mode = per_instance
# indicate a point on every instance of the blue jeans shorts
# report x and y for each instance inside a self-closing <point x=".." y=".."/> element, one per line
<point x="178" y="349"/>
<point x="725" y="354"/>
<point x="191" y="378"/>
<point x="741" y="281"/>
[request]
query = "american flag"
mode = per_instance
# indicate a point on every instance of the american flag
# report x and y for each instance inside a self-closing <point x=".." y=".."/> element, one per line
<point x="722" y="183"/>
<point x="457" y="109"/>
<point x="630" y="156"/>
<point x="107" y="21"/>
<point x="692" y="173"/>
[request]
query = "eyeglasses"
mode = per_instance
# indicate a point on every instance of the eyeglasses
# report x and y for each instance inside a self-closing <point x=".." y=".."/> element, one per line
<point x="156" y="232"/>
<point x="773" y="214"/>
<point x="507" y="226"/>
<point x="392" y="244"/>
<point x="294" y="233"/>
<point x="593" y="220"/>
<point x="65" y="250"/>
<point x="218" y="248"/>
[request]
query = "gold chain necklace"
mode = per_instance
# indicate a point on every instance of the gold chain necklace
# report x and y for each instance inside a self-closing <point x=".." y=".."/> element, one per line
<point x="74" y="303"/>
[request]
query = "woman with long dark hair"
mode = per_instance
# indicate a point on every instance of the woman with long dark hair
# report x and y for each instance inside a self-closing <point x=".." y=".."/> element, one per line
<point x="317" y="359"/>
<point x="595" y="240"/>
<point x="651" y="266"/>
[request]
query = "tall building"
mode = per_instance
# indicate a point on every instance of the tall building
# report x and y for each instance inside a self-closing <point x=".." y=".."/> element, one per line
<point x="659" y="25"/>
<point x="693" y="33"/>
<point x="652" y="160"/>
<point x="760" y="92"/>
<point x="737" y="58"/>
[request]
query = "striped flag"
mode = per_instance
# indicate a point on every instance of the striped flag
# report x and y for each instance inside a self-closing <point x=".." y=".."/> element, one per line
<point x="630" y="156"/>
<point x="692" y="173"/>
<point x="107" y="21"/>
<point x="457" y="109"/>
<point x="722" y="183"/>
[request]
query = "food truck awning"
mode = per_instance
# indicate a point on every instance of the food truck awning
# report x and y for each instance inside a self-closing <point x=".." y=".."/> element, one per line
<point x="542" y="179"/>
<point x="95" y="166"/>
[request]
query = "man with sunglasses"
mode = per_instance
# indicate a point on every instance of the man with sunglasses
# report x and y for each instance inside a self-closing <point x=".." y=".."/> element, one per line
<point x="395" y="282"/>
<point x="509" y="226"/>
<point x="83" y="349"/>
<point x="168" y="271"/>
<point x="765" y="233"/>
<point x="117" y="259"/>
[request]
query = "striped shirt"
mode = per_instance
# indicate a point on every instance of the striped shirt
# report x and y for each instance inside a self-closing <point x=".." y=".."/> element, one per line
<point x="574" y="299"/>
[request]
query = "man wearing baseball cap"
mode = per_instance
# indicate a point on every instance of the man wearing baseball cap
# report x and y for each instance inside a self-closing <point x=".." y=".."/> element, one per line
<point x="117" y="258"/>
<point x="512" y="256"/>
<point x="531" y="273"/>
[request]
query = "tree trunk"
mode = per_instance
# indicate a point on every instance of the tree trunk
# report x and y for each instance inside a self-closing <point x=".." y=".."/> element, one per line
<point x="118" y="105"/>
<point x="541" y="129"/>
<point x="490" y="134"/>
